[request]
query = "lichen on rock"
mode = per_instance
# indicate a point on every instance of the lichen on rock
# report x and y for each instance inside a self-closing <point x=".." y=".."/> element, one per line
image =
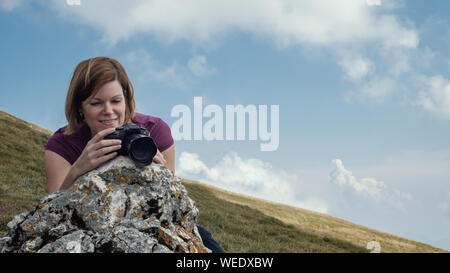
<point x="114" y="208"/>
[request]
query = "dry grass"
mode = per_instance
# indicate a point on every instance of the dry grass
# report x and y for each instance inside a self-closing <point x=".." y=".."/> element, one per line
<point x="323" y="225"/>
<point x="240" y="228"/>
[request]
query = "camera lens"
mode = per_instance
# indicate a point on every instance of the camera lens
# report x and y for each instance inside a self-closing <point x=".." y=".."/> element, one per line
<point x="142" y="150"/>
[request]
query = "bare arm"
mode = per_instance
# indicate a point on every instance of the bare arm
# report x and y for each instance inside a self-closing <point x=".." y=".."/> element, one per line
<point x="169" y="156"/>
<point x="59" y="172"/>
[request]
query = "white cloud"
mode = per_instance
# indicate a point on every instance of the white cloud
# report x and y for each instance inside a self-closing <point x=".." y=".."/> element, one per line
<point x="189" y="163"/>
<point x="356" y="67"/>
<point x="172" y="75"/>
<point x="369" y="188"/>
<point x="373" y="2"/>
<point x="366" y="186"/>
<point x="247" y="176"/>
<point x="367" y="28"/>
<point x="388" y="27"/>
<point x="377" y="89"/>
<point x="287" y="22"/>
<point x="147" y="68"/>
<point x="198" y="65"/>
<point x="435" y="96"/>
<point x="175" y="75"/>
<point x="334" y="25"/>
<point x="398" y="60"/>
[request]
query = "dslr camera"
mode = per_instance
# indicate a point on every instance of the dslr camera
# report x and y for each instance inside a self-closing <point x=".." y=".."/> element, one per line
<point x="136" y="143"/>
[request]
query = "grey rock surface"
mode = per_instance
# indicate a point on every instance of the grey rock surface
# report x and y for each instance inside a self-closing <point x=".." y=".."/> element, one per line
<point x="114" y="208"/>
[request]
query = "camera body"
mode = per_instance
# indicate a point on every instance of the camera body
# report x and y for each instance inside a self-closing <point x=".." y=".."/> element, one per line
<point x="136" y="143"/>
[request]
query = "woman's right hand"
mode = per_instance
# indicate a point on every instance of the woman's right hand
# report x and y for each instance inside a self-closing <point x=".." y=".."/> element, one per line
<point x="97" y="152"/>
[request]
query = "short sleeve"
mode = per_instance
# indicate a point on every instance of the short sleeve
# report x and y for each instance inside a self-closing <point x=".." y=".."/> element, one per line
<point x="56" y="145"/>
<point x="162" y="135"/>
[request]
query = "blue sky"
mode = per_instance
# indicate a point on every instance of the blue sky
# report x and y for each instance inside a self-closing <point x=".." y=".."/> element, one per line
<point x="362" y="86"/>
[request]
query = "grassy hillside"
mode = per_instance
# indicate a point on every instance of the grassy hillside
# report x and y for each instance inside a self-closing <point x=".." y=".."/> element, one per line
<point x="22" y="177"/>
<point x="238" y="223"/>
<point x="336" y="232"/>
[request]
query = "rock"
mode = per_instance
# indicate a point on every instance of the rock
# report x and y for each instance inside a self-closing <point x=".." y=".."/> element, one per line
<point x="114" y="208"/>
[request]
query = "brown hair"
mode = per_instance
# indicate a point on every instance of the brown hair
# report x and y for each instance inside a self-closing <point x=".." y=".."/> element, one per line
<point x="88" y="77"/>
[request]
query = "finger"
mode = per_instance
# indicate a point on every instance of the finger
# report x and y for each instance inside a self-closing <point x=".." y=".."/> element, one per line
<point x="160" y="155"/>
<point x="159" y="159"/>
<point x="100" y="160"/>
<point x="95" y="148"/>
<point x="106" y="143"/>
<point x="106" y="150"/>
<point x="100" y="135"/>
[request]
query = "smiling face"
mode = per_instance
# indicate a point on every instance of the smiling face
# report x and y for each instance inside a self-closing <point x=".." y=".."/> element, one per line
<point x="105" y="108"/>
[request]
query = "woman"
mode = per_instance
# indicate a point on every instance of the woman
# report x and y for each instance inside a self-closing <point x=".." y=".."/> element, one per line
<point x="101" y="98"/>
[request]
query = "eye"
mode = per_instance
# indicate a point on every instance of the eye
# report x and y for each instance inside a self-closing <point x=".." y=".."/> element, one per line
<point x="94" y="103"/>
<point x="116" y="101"/>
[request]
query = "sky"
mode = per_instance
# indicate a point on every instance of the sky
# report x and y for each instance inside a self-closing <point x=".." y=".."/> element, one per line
<point x="352" y="97"/>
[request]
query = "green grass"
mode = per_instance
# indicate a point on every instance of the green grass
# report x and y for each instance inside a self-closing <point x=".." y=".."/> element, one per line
<point x="238" y="223"/>
<point x="22" y="176"/>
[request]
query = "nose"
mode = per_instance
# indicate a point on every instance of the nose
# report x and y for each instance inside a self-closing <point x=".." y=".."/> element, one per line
<point x="107" y="109"/>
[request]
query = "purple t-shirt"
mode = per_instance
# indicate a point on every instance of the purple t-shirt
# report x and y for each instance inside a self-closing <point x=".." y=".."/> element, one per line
<point x="71" y="146"/>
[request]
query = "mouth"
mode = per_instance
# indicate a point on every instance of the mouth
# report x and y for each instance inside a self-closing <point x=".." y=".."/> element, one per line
<point x="108" y="121"/>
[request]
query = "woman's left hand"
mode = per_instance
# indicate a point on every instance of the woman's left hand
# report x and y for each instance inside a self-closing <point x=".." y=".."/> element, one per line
<point x="159" y="158"/>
